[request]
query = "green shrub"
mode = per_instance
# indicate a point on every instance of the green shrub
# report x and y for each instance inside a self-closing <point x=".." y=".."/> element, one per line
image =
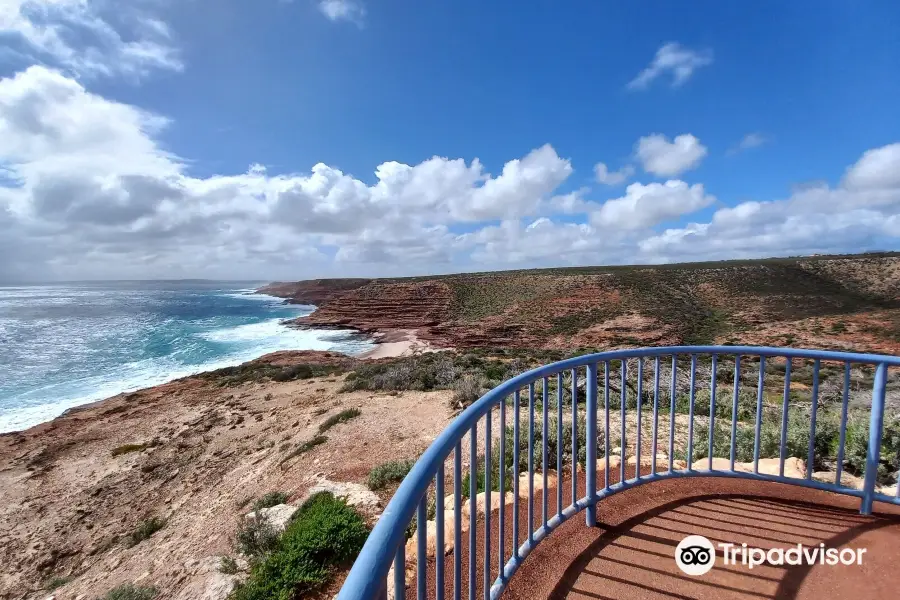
<point x="293" y="372"/>
<point x="255" y="535"/>
<point x="390" y="472"/>
<point x="228" y="565"/>
<point x="256" y="372"/>
<point x="857" y="447"/>
<point x="269" y="500"/>
<point x="324" y="534"/>
<point x="341" y="417"/>
<point x="796" y="443"/>
<point x="431" y="371"/>
<point x="145" y="529"/>
<point x="129" y="591"/>
<point x="724" y="404"/>
<point x="553" y="443"/>
<point x="57" y="581"/>
<point x="466" y="390"/>
<point x="305" y="447"/>
<point x="127" y="449"/>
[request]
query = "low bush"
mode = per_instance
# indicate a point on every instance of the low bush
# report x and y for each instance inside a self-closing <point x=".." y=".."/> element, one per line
<point x="255" y="536"/>
<point x="269" y="500"/>
<point x="323" y="535"/>
<point x="228" y="565"/>
<point x="387" y="473"/>
<point x="466" y="390"/>
<point x="434" y="371"/>
<point x="796" y="443"/>
<point x="341" y="417"/>
<point x="553" y="442"/>
<point x="129" y="591"/>
<point x="305" y="447"/>
<point x="127" y="449"/>
<point x="857" y="447"/>
<point x="57" y="581"/>
<point x="145" y="530"/>
<point x="256" y="372"/>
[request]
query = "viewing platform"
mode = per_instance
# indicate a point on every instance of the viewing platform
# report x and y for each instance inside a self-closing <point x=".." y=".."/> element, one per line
<point x="752" y="448"/>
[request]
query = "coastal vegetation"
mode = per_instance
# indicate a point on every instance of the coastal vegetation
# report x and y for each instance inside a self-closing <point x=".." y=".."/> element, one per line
<point x="144" y="530"/>
<point x="128" y="448"/>
<point x="270" y="499"/>
<point x="257" y="372"/>
<point x="388" y="473"/>
<point x="338" y="418"/>
<point x="129" y="591"/>
<point x="323" y="535"/>
<point x="58" y="581"/>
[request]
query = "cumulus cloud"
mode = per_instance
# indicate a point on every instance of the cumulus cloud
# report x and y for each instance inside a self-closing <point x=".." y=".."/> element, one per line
<point x="87" y="190"/>
<point x="675" y="59"/>
<point x="89" y="37"/>
<point x="343" y="10"/>
<point x="607" y="177"/>
<point x="100" y="186"/>
<point x="667" y="159"/>
<point x="861" y="213"/>
<point x="877" y="169"/>
<point x="644" y="206"/>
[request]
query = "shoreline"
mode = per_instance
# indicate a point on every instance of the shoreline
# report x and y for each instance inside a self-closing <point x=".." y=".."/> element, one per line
<point x="388" y="343"/>
<point x="385" y="344"/>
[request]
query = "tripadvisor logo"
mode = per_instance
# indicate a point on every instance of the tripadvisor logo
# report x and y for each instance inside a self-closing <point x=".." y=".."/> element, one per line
<point x="696" y="555"/>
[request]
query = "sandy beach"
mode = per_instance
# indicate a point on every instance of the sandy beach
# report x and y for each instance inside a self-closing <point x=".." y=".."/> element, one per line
<point x="397" y="342"/>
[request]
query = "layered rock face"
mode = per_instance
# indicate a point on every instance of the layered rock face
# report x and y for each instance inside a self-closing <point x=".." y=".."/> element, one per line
<point x="316" y="292"/>
<point x="379" y="306"/>
<point x="849" y="303"/>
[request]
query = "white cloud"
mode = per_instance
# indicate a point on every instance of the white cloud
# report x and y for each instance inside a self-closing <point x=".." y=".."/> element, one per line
<point x="859" y="214"/>
<point x="607" y="177"/>
<point x="45" y="31"/>
<point x="343" y="10"/>
<point x="88" y="177"/>
<point x="667" y="159"/>
<point x="877" y="169"/>
<point x="644" y="206"/>
<point x="749" y="141"/>
<point x="86" y="191"/>
<point x="674" y="58"/>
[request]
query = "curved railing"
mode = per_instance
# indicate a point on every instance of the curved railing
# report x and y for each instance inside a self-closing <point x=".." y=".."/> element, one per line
<point x="832" y="381"/>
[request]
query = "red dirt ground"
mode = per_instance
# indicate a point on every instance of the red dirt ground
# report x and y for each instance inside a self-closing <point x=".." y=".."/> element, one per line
<point x="630" y="554"/>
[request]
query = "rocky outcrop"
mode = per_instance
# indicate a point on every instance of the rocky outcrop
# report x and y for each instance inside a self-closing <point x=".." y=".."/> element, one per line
<point x="316" y="292"/>
<point x="277" y="516"/>
<point x="379" y="306"/>
<point x="354" y="494"/>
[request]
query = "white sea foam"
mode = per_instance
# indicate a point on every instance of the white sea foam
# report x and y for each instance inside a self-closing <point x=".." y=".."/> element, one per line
<point x="246" y="343"/>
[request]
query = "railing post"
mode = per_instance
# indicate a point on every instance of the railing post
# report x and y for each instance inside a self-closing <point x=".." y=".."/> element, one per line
<point x="873" y="454"/>
<point x="590" y="476"/>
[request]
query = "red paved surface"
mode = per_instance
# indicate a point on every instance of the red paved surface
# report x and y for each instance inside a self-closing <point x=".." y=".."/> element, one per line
<point x="630" y="554"/>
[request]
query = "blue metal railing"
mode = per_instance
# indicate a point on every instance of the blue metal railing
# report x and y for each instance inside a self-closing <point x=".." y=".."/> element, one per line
<point x="386" y="545"/>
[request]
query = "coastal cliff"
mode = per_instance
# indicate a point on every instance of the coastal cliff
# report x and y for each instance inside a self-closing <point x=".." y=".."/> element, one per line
<point x="315" y="292"/>
<point x="850" y="302"/>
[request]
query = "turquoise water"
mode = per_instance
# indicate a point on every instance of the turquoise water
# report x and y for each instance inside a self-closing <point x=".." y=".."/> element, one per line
<point x="66" y="345"/>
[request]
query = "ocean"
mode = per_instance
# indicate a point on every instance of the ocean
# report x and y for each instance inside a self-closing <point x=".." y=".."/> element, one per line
<point x="66" y="345"/>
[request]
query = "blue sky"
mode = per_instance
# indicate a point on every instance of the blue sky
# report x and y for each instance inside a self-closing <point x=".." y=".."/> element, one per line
<point x="784" y="110"/>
